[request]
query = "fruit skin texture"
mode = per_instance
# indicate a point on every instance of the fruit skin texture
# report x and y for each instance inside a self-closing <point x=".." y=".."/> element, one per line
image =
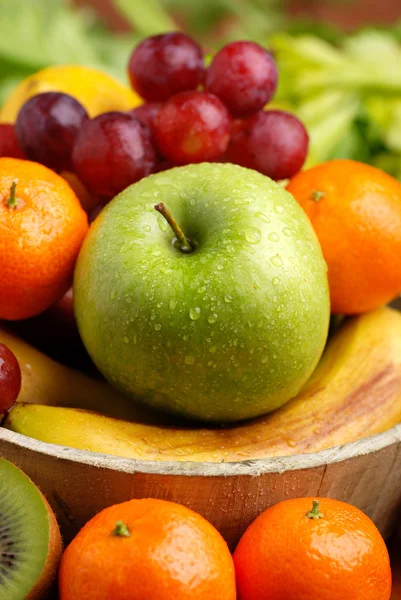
<point x="244" y="76"/>
<point x="164" y="65"/>
<point x="355" y="210"/>
<point x="46" y="525"/>
<point x="284" y="555"/>
<point x="172" y="553"/>
<point x="111" y="152"/>
<point x="228" y="332"/>
<point x="193" y="127"/>
<point x="362" y="361"/>
<point x="98" y="92"/>
<point x="273" y="142"/>
<point x="47" y="126"/>
<point x="39" y="239"/>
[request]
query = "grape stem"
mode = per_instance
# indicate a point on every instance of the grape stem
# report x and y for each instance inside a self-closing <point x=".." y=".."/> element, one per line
<point x="184" y="243"/>
<point x="12" y="201"/>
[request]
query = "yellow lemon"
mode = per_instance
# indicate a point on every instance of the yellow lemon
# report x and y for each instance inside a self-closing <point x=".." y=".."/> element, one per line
<point x="98" y="92"/>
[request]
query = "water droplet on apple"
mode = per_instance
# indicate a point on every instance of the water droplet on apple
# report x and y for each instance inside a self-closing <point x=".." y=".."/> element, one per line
<point x="162" y="223"/>
<point x="113" y="294"/>
<point x="264" y="359"/>
<point x="210" y="363"/>
<point x="189" y="360"/>
<point x="220" y="267"/>
<point x="276" y="261"/>
<point x="274" y="237"/>
<point x="230" y="249"/>
<point x="194" y="313"/>
<point x="228" y="298"/>
<point x="250" y="249"/>
<point x="212" y="349"/>
<point x="147" y="228"/>
<point x="185" y="337"/>
<point x="158" y="326"/>
<point x="262" y="217"/>
<point x="252" y="235"/>
<point x="172" y="304"/>
<point x="275" y="281"/>
<point x="287" y="231"/>
<point x="279" y="209"/>
<point x="126" y="340"/>
<point x="212" y="318"/>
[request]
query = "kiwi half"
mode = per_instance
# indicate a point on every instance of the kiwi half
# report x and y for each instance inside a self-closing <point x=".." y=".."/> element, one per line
<point x="30" y="542"/>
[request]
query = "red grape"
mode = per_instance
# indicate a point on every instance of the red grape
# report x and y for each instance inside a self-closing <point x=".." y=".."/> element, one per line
<point x="46" y="127"/>
<point x="111" y="152"/>
<point x="164" y="65"/>
<point x="244" y="76"/>
<point x="10" y="379"/>
<point x="273" y="142"/>
<point x="193" y="127"/>
<point x="8" y="142"/>
<point x="147" y="113"/>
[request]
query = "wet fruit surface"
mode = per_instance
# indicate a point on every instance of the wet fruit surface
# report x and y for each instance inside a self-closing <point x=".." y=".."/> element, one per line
<point x="111" y="152"/>
<point x="164" y="65"/>
<point x="47" y="126"/>
<point x="302" y="549"/>
<point x="244" y="76"/>
<point x="193" y="127"/>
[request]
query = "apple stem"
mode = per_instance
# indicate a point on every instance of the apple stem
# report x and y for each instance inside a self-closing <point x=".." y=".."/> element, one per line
<point x="12" y="201"/>
<point x="185" y="244"/>
<point x="314" y="513"/>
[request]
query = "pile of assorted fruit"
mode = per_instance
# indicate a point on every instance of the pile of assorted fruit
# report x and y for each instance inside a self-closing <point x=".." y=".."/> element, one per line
<point x="231" y="303"/>
<point x="153" y="549"/>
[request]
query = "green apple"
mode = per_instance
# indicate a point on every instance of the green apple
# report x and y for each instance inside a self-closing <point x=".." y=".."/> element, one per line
<point x="224" y="325"/>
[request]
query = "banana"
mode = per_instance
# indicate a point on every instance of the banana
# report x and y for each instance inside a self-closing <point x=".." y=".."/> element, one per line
<point x="44" y="381"/>
<point x="354" y="392"/>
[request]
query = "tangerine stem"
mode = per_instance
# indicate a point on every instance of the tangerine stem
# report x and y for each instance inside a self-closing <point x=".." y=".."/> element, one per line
<point x="185" y="244"/>
<point x="121" y="530"/>
<point x="12" y="201"/>
<point x="315" y="513"/>
<point x="317" y="195"/>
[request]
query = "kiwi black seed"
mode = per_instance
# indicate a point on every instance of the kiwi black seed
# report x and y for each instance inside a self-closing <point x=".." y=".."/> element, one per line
<point x="30" y="544"/>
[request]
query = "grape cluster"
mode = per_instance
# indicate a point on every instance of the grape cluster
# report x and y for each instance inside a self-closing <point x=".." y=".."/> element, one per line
<point x="192" y="113"/>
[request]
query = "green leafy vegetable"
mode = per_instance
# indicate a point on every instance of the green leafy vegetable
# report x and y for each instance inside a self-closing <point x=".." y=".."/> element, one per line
<point x="348" y="94"/>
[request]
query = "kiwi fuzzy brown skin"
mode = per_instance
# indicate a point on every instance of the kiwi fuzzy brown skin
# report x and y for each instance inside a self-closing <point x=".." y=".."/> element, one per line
<point x="49" y="573"/>
<point x="49" y="549"/>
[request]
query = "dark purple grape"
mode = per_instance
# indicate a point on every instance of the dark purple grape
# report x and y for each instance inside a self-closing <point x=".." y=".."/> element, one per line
<point x="273" y="142"/>
<point x="164" y="65"/>
<point x="111" y="152"/>
<point x="46" y="128"/>
<point x="244" y="76"/>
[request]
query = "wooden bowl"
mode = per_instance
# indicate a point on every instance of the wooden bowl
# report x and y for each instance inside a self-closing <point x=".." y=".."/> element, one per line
<point x="78" y="483"/>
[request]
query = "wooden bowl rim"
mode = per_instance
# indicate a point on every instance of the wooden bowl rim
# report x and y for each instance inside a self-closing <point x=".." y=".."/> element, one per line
<point x="252" y="467"/>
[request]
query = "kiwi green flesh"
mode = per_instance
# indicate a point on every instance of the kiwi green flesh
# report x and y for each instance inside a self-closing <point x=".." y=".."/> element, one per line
<point x="24" y="533"/>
